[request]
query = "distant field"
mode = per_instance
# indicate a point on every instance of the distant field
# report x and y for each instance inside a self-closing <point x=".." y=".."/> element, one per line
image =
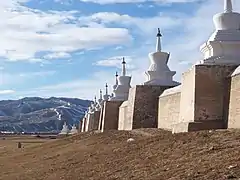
<point x="9" y="143"/>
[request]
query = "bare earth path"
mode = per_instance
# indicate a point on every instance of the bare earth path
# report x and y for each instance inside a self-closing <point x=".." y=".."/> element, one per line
<point x="154" y="155"/>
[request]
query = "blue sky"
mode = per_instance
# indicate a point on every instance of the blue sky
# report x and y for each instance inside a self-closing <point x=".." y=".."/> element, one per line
<point x="71" y="48"/>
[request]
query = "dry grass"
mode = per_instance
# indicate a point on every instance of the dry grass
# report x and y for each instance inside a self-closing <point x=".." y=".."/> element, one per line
<point x="154" y="155"/>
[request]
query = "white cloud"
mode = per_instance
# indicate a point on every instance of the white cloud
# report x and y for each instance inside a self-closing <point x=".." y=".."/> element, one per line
<point x="57" y="55"/>
<point x="25" y="32"/>
<point x="116" y="62"/>
<point x="4" y="92"/>
<point x="137" y="1"/>
<point x="147" y="25"/>
<point x="37" y="74"/>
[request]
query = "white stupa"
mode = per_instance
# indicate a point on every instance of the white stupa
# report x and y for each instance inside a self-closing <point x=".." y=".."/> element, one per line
<point x="99" y="102"/>
<point x="116" y="81"/>
<point x="90" y="112"/>
<point x="106" y="95"/>
<point x="94" y="104"/>
<point x="120" y="93"/>
<point x="74" y="130"/>
<point x="223" y="47"/>
<point x="65" y="129"/>
<point x="91" y="108"/>
<point x="159" y="73"/>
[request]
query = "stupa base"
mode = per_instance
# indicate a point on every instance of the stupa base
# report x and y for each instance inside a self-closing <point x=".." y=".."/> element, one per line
<point x="141" y="109"/>
<point x="110" y="115"/>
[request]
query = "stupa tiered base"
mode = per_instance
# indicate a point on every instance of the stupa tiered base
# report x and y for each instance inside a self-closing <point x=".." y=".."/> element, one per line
<point x="110" y="115"/>
<point x="141" y="109"/>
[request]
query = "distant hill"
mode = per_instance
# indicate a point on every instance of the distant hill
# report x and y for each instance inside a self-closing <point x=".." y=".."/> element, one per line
<point x="34" y="114"/>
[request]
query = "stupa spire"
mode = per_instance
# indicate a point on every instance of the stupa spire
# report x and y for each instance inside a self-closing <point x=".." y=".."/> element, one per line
<point x="158" y="45"/>
<point x="120" y="91"/>
<point x="123" y="67"/>
<point x="101" y="95"/>
<point x="116" y="75"/>
<point x="95" y="99"/>
<point x="106" y="89"/>
<point x="228" y="6"/>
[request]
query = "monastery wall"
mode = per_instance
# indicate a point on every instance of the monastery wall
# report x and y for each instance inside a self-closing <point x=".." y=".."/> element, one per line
<point x="89" y="122"/>
<point x="212" y="91"/>
<point x="101" y="118"/>
<point x="206" y="106"/>
<point x="169" y="108"/>
<point x="122" y="121"/>
<point x="234" y="103"/>
<point x="143" y="106"/>
<point x="80" y="125"/>
<point x="187" y="96"/>
<point x="126" y="118"/>
<point x="96" y="120"/>
<point x="84" y="126"/>
<point x="110" y="115"/>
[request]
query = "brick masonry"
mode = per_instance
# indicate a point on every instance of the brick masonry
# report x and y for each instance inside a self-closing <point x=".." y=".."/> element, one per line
<point x="80" y="125"/>
<point x="204" y="98"/>
<point x="96" y="120"/>
<point x="234" y="103"/>
<point x="89" y="123"/>
<point x="110" y="115"/>
<point x="168" y="110"/>
<point x="142" y="108"/>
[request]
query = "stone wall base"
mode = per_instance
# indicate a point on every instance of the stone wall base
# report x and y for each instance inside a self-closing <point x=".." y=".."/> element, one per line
<point x="89" y="123"/>
<point x="142" y="107"/>
<point x="122" y="120"/>
<point x="84" y="121"/>
<point x="80" y="125"/>
<point x="96" y="120"/>
<point x="110" y="115"/>
<point x="169" y="108"/>
<point x="100" y="119"/>
<point x="197" y="126"/>
<point x="234" y="102"/>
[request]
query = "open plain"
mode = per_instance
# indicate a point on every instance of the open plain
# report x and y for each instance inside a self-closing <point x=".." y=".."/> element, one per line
<point x="152" y="154"/>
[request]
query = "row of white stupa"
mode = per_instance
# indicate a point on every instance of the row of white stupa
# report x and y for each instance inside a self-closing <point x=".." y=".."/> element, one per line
<point x="65" y="130"/>
<point x="157" y="74"/>
<point x="222" y="48"/>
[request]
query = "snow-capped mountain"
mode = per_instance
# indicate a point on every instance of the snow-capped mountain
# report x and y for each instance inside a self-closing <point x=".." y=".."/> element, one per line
<point x="40" y="115"/>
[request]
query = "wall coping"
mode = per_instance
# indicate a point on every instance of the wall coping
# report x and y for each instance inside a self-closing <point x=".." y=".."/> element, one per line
<point x="170" y="91"/>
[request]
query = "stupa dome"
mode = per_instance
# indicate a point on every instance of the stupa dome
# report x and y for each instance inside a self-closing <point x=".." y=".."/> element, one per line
<point x="223" y="46"/>
<point x="227" y="20"/>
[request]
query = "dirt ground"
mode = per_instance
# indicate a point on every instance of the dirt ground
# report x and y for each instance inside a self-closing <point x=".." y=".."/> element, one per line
<point x="9" y="143"/>
<point x="153" y="155"/>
